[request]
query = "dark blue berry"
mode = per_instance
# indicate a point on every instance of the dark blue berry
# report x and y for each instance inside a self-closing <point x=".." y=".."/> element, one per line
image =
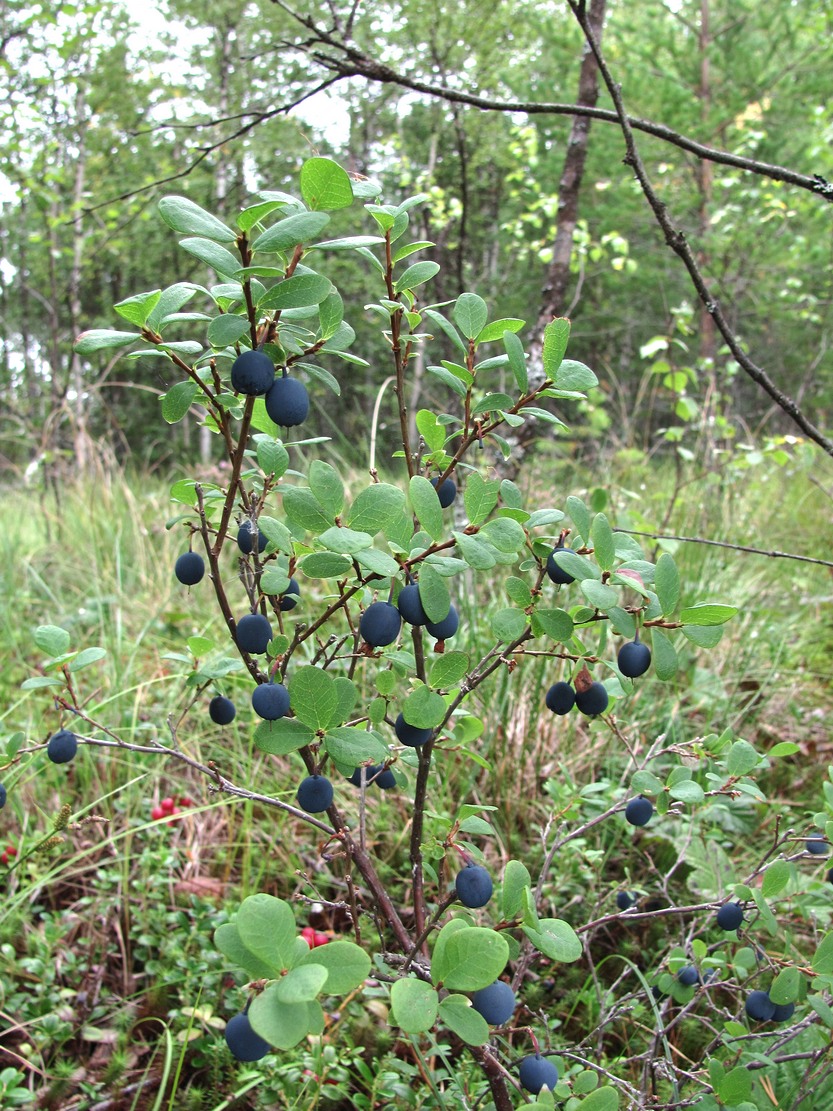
<point x="380" y="624"/>
<point x="245" y="538"/>
<point x="287" y="402"/>
<point x="243" y="1042"/>
<point x="759" y="1006"/>
<point x="817" y="846"/>
<point x="536" y="1073"/>
<point x="62" y="747"/>
<point x="315" y="794"/>
<point x="410" y="735"/>
<point x="473" y="886"/>
<point x="783" y="1012"/>
<point x="634" y="659"/>
<point x="253" y="633"/>
<point x="446" y="493"/>
<point x="252" y="373"/>
<point x="689" y="976"/>
<point x="561" y="697"/>
<point x="270" y="701"/>
<point x="638" y="811"/>
<point x="290" y="597"/>
<point x="445" y="629"/>
<point x="221" y="710"/>
<point x="624" y="899"/>
<point x="409" y="605"/>
<point x="730" y="916"/>
<point x="496" y="1003"/>
<point x="385" y="780"/>
<point x="3" y="796"/>
<point x="554" y="571"/>
<point x="189" y="568"/>
<point x="593" y="701"/>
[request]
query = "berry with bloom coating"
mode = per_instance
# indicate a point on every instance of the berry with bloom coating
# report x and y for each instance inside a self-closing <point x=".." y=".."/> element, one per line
<point x="222" y="711"/>
<point x="624" y="900"/>
<point x="409" y="734"/>
<point x="290" y="597"/>
<point x="496" y="1003"/>
<point x="638" y="811"/>
<point x="759" y="1006"/>
<point x="473" y="886"/>
<point x="561" y="697"/>
<point x="634" y="659"/>
<point x="246" y="536"/>
<point x="380" y="624"/>
<point x="536" y="1073"/>
<point x="409" y="605"/>
<point x="817" y="846"/>
<point x="385" y="780"/>
<point x="270" y="701"/>
<point x="252" y="373"/>
<point x="62" y="747"/>
<point x="287" y="402"/>
<point x="315" y="794"/>
<point x="243" y="1042"/>
<point x="253" y="633"/>
<point x="688" y="976"/>
<point x="783" y="1012"/>
<point x="3" y="796"/>
<point x="593" y="701"/>
<point x="554" y="571"/>
<point x="446" y="493"/>
<point x="730" y="916"/>
<point x="445" y="629"/>
<point x="189" y="568"/>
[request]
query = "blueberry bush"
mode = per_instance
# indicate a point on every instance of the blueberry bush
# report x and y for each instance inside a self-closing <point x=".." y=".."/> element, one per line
<point x="361" y="631"/>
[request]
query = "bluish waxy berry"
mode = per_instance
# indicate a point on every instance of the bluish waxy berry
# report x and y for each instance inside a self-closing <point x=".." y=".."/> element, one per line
<point x="270" y="701"/>
<point x="369" y="772"/>
<point x="410" y="735"/>
<point x="445" y="629"/>
<point x="624" y="900"/>
<point x="221" y="710"/>
<point x="730" y="916"/>
<point x="243" y="1042"/>
<point x="62" y="747"/>
<point x="290" y="597"/>
<point x="189" y="568"/>
<point x="638" y="811"/>
<point x="287" y="402"/>
<point x="446" y="493"/>
<point x="593" y="701"/>
<point x="245" y="538"/>
<point x="385" y="780"/>
<point x="252" y="373"/>
<point x="3" y="796"/>
<point x="561" y="697"/>
<point x="473" y="886"/>
<point x="817" y="846"/>
<point x="759" y="1006"/>
<point x="634" y="659"/>
<point x="253" y="633"/>
<point x="409" y="605"/>
<point x="554" y="571"/>
<point x="374" y="774"/>
<point x="783" y="1012"/>
<point x="496" y="1003"/>
<point x="536" y="1073"/>
<point x="689" y="976"/>
<point x="315" y="794"/>
<point x="380" y="624"/>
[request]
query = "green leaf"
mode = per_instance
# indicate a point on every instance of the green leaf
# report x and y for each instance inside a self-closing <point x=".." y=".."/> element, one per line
<point x="227" y="329"/>
<point x="556" y="338"/>
<point x="272" y="458"/>
<point x="556" y="939"/>
<point x="86" y="657"/>
<point x="430" y="429"/>
<point x="742" y="758"/>
<point x="506" y="534"/>
<point x="227" y="940"/>
<point x="707" y="613"/>
<point x="325" y="565"/>
<point x="598" y="594"/>
<point x="326" y="484"/>
<point x="177" y="401"/>
<point x="470" y="314"/>
<point x="345" y="540"/>
<point x="415" y="275"/>
<point x="276" y="533"/>
<point x="497" y="328"/>
<point x="52" y="639"/>
<point x="184" y="216"/>
<point x="776" y="878"/>
<point x="313" y="697"/>
<point x="735" y="1087"/>
<point x="380" y="563"/>
<point x="704" y="636"/>
<point x="555" y="624"/>
<point x="448" y="669"/>
<point x="266" y="926"/>
<point x="823" y="956"/>
<point x="477" y="555"/>
<point x="574" y="377"/>
<point x="603" y="546"/>
<point x="415" y="1005"/>
<point x="325" y="185"/>
<point x="255" y="214"/>
<point x="786" y="986"/>
<point x="424" y="708"/>
<point x="299" y="291"/>
<point x="517" y="360"/>
<point x="687" y="791"/>
<point x="353" y="745"/>
<point x="667" y="583"/>
<point x="100" y="339"/>
<point x="480" y="497"/>
<point x="291" y="232"/>
<point x="376" y="509"/>
<point x="664" y="655"/>
<point x="580" y="516"/>
<point x="213" y="255"/>
<point x="136" y="309"/>
<point x="458" y="1014"/>
<point x="822" y="1009"/>
<point x="426" y="506"/>
<point x="302" y="507"/>
<point x="603" y="1099"/>
<point x="508" y="624"/>
<point x="302" y="984"/>
<point x="347" y="243"/>
<point x="474" y="957"/>
<point x="516" y="877"/>
<point x="433" y="593"/>
<point x="282" y="736"/>
<point x="281" y="1024"/>
<point x="347" y="965"/>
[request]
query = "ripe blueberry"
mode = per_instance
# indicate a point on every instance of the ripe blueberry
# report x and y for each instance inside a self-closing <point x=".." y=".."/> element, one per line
<point x="689" y="976"/>
<point x="62" y="747"/>
<point x="638" y="811"/>
<point x="189" y="568"/>
<point x="445" y="629"/>
<point x="561" y="697"/>
<point x="634" y="659"/>
<point x="473" y="886"/>
<point x="817" y="846"/>
<point x="270" y="701"/>
<point x="783" y="1012"/>
<point x="243" y="1042"/>
<point x="222" y="711"/>
<point x="409" y="605"/>
<point x="593" y="701"/>
<point x="536" y="1073"/>
<point x="554" y="571"/>
<point x="315" y="794"/>
<point x="380" y="624"/>
<point x="496" y="1003"/>
<point x="3" y="796"/>
<point x="253" y="373"/>
<point x="290" y="597"/>
<point x="409" y="734"/>
<point x="245" y="538"/>
<point x="730" y="916"/>
<point x="759" y="1006"/>
<point x="287" y="402"/>
<point x="624" y="899"/>
<point x="253" y="633"/>
<point x="385" y="780"/>
<point x="446" y="493"/>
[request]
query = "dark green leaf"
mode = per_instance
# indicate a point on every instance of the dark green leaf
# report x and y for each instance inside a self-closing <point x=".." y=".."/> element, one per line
<point x="426" y="506"/>
<point x="415" y="1005"/>
<point x="282" y="736"/>
<point x="667" y="583"/>
<point x="664" y="655"/>
<point x="556" y="939"/>
<point x="313" y="697"/>
<point x="213" y="255"/>
<point x="601" y="535"/>
<point x="227" y="329"/>
<point x="556" y="338"/>
<point x="376" y="508"/>
<point x="325" y="185"/>
<point x="415" y="275"/>
<point x="299" y="291"/>
<point x="508" y="625"/>
<point x="184" y="216"/>
<point x="496" y="329"/>
<point x="137" y="309"/>
<point x="177" y="401"/>
<point x="325" y="565"/>
<point x="448" y="669"/>
<point x="708" y="613"/>
<point x="474" y="958"/>
<point x="470" y="314"/>
<point x="101" y="339"/>
<point x="424" y="709"/>
<point x="458" y="1014"/>
<point x="480" y="497"/>
<point x="352" y="745"/>
<point x="292" y="231"/>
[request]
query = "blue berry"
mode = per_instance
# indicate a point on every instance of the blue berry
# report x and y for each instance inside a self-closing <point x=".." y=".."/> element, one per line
<point x="473" y="886"/>
<point x="287" y="402"/>
<point x="253" y="633"/>
<point x="252" y="373"/>
<point x="496" y="1003"/>
<point x="221" y="710"/>
<point x="245" y="538"/>
<point x="380" y="624"/>
<point x="445" y="629"/>
<point x="62" y="747"/>
<point x="561" y="697"/>
<point x="634" y="659"/>
<point x="410" y="735"/>
<point x="409" y="605"/>
<point x="638" y="811"/>
<point x="536" y="1073"/>
<point x="689" y="976"/>
<point x="290" y="597"/>
<point x="817" y="846"/>
<point x="270" y="701"/>
<point x="556" y="574"/>
<point x="593" y="701"/>
<point x="189" y="568"/>
<point x="315" y="794"/>
<point x="243" y="1042"/>
<point x="446" y="493"/>
<point x="730" y="916"/>
<point x="759" y="1006"/>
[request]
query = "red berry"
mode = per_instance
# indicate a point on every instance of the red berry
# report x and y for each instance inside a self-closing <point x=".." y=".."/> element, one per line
<point x="184" y="800"/>
<point x="11" y="850"/>
<point x="321" y="939"/>
<point x="308" y="934"/>
<point x="4" y="859"/>
<point x="157" y="813"/>
<point x="167" y="805"/>
<point x="173" y="814"/>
